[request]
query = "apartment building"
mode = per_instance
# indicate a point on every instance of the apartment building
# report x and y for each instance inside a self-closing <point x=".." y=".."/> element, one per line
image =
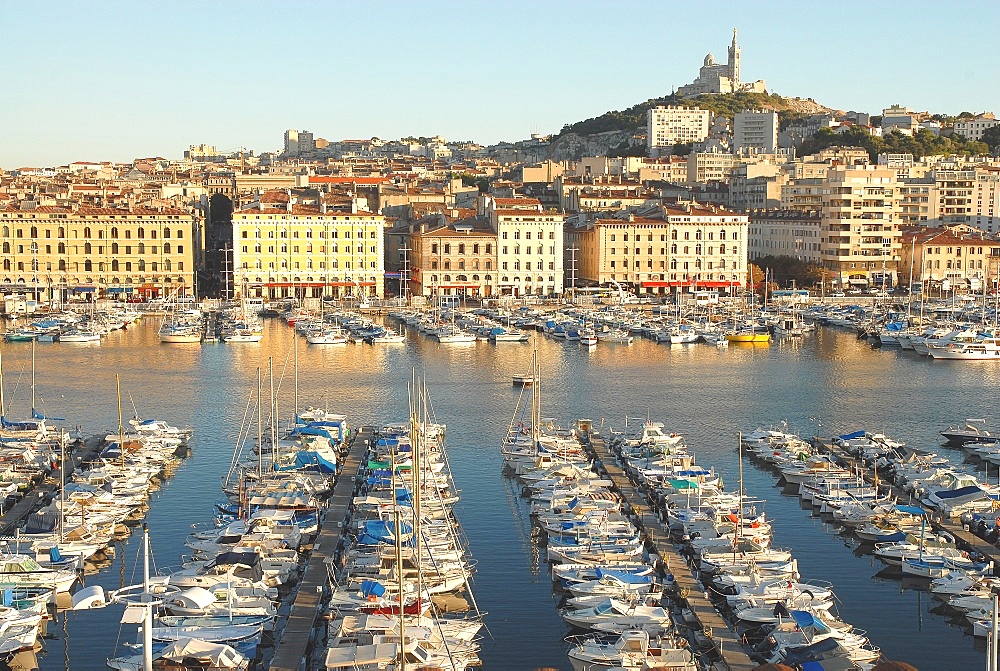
<point x="284" y="248"/>
<point x="794" y="233"/>
<point x="973" y="129"/>
<point x="67" y="253"/>
<point x="709" y="166"/>
<point x="986" y="200"/>
<point x="952" y="197"/>
<point x="454" y="259"/>
<point x="755" y="132"/>
<point x="676" y="248"/>
<point x="672" y="124"/>
<point x="529" y="246"/>
<point x="860" y="225"/>
<point x="962" y="256"/>
<point x="756" y="186"/>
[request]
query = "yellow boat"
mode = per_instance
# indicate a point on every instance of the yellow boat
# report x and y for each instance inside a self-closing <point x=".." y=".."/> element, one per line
<point x="749" y="336"/>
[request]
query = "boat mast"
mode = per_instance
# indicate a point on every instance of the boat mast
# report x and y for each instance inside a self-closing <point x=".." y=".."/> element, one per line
<point x="274" y="410"/>
<point x="121" y="428"/>
<point x="295" y="347"/>
<point x="739" y="528"/>
<point x="147" y="620"/>
<point x="33" y="378"/>
<point x="260" y="432"/>
<point x="3" y="407"/>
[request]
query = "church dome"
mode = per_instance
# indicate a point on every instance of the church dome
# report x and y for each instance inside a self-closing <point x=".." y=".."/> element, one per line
<point x="709" y="60"/>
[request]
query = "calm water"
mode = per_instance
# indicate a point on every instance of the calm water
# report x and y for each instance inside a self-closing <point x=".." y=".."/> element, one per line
<point x="829" y="383"/>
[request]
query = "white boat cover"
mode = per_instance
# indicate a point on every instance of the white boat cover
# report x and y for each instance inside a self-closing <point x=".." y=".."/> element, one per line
<point x="357" y="655"/>
<point x="194" y="598"/>
<point x="219" y="655"/>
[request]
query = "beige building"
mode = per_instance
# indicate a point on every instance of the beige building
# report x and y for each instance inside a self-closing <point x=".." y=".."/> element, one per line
<point x="454" y="259"/>
<point x="283" y="248"/>
<point x="63" y="253"/>
<point x="794" y="233"/>
<point x="860" y="225"/>
<point x="986" y="200"/>
<point x="755" y="186"/>
<point x="709" y="166"/>
<point x="670" y="125"/>
<point x="682" y="246"/>
<point x="963" y="256"/>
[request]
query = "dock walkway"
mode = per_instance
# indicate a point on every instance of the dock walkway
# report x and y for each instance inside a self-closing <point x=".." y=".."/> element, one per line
<point x="724" y="639"/>
<point x="299" y="634"/>
<point x="36" y="497"/>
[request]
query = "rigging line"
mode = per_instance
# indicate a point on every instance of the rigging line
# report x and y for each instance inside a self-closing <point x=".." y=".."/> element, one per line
<point x="241" y="437"/>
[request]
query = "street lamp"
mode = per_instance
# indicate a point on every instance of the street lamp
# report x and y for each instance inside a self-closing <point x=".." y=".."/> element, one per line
<point x="34" y="270"/>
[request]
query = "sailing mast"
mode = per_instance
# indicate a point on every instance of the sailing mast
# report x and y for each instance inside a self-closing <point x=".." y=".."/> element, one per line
<point x="274" y="411"/>
<point x="33" y="381"/>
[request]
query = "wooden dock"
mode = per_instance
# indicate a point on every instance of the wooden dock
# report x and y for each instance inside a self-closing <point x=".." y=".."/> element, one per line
<point x="725" y="641"/>
<point x="300" y="634"/>
<point x="40" y="495"/>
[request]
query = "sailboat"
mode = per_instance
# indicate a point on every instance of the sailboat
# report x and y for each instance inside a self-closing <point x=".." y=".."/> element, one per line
<point x="180" y="326"/>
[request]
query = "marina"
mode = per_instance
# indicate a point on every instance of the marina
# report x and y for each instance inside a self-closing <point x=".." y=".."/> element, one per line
<point x="836" y="381"/>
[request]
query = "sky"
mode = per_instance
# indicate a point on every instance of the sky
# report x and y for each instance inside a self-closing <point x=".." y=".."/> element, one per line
<point x="115" y="80"/>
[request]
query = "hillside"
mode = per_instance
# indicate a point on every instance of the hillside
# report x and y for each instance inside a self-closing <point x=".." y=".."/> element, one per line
<point x="634" y="118"/>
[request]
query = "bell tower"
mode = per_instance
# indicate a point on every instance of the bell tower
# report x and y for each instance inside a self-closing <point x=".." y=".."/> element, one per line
<point x="734" y="62"/>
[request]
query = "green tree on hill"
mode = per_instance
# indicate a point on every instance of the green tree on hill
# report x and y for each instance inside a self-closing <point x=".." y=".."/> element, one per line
<point x="991" y="138"/>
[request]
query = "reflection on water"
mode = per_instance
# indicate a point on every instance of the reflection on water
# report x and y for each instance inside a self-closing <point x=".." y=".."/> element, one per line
<point x="825" y="383"/>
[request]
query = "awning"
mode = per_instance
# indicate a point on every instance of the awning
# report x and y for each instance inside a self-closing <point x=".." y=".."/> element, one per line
<point x="717" y="284"/>
<point x="656" y="283"/>
<point x="118" y="290"/>
<point x="319" y="284"/>
<point x="85" y="288"/>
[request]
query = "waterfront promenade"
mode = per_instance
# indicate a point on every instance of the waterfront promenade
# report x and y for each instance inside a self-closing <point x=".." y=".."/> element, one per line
<point x="724" y="641"/>
<point x="300" y="636"/>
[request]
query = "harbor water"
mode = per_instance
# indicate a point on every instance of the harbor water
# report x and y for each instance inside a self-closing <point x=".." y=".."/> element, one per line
<point x="825" y="384"/>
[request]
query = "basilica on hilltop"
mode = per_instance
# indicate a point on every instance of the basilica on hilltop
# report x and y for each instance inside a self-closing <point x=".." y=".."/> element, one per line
<point x="721" y="77"/>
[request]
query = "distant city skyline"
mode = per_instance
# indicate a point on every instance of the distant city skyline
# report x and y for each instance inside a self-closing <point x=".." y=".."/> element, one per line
<point x="115" y="80"/>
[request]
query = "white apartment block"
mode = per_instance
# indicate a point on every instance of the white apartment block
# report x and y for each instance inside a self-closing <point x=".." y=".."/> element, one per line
<point x="973" y="129"/>
<point x="755" y="132"/>
<point x="667" y="126"/>
<point x="529" y="247"/>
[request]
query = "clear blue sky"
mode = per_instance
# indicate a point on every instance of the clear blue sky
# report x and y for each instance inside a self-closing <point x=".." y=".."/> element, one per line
<point x="113" y="80"/>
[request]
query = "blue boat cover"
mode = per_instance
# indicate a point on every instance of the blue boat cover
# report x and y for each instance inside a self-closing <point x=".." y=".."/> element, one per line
<point x="307" y="460"/>
<point x="624" y="576"/>
<point x="852" y="436"/>
<point x="958" y="493"/>
<point x="912" y="510"/>
<point x="811" y="653"/>
<point x="372" y="588"/>
<point x="380" y="531"/>
<point x="37" y="415"/>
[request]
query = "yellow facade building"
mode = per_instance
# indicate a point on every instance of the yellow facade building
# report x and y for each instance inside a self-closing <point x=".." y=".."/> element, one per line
<point x="285" y="249"/>
<point x="66" y="253"/>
